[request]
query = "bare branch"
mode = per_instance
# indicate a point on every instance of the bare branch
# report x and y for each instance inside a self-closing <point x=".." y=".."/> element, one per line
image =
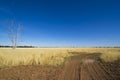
<point x="14" y="35"/>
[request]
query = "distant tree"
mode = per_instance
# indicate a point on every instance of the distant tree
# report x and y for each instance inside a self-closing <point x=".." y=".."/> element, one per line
<point x="14" y="33"/>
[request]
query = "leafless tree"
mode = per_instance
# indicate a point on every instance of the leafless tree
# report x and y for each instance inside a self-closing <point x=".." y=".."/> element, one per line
<point x="14" y="34"/>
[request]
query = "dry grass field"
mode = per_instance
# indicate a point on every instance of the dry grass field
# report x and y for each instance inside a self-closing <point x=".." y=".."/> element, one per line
<point x="60" y="64"/>
<point x="50" y="56"/>
<point x="31" y="56"/>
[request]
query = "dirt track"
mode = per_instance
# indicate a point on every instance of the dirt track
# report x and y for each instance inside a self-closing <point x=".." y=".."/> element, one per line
<point x="86" y="69"/>
<point x="80" y="67"/>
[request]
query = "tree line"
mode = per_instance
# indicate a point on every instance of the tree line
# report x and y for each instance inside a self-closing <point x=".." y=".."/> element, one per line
<point x="6" y="46"/>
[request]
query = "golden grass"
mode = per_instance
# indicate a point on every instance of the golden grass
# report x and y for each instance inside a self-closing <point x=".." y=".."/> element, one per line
<point x="111" y="56"/>
<point x="32" y="56"/>
<point x="50" y="56"/>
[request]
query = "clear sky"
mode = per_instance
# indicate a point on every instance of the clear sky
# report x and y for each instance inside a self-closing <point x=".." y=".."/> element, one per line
<point x="62" y="23"/>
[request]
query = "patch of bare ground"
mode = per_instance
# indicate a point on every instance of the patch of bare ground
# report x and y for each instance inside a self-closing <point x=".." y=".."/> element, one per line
<point x="94" y="71"/>
<point x="113" y="68"/>
<point x="30" y="73"/>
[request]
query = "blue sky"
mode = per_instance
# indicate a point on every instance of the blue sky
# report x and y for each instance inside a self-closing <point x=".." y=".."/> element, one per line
<point x="62" y="23"/>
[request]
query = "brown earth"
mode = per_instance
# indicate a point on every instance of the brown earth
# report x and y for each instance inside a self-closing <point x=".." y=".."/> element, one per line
<point x="30" y="73"/>
<point x="79" y="67"/>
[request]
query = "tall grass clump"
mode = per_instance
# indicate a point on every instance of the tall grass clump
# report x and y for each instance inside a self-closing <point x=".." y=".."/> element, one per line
<point x="110" y="56"/>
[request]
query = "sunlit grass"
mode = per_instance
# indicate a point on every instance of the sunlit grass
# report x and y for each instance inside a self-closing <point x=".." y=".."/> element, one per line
<point x="9" y="57"/>
<point x="110" y="56"/>
<point x="50" y="56"/>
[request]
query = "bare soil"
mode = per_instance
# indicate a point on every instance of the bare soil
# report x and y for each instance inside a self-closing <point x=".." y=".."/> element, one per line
<point x="79" y="67"/>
